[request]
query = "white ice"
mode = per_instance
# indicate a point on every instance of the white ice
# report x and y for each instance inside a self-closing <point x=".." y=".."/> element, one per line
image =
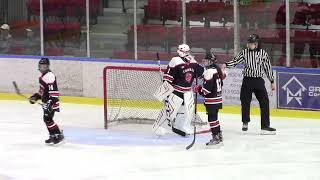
<point x="133" y="152"/>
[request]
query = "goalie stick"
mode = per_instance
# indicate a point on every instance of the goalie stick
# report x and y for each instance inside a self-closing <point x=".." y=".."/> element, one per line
<point x="159" y="64"/>
<point x="195" y="116"/>
<point x="16" y="88"/>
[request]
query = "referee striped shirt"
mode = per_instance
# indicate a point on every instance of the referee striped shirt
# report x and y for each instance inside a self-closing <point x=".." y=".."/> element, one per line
<point x="256" y="63"/>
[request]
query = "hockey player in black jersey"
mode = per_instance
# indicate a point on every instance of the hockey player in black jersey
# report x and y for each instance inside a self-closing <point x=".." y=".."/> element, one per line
<point x="211" y="90"/>
<point x="49" y="95"/>
<point x="176" y="92"/>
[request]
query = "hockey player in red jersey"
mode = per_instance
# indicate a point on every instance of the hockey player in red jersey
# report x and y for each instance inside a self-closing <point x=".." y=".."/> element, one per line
<point x="211" y="90"/>
<point x="49" y="94"/>
<point x="177" y="93"/>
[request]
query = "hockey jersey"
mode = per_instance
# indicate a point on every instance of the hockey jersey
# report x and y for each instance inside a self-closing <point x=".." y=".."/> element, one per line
<point x="212" y="88"/>
<point x="49" y="89"/>
<point x="181" y="72"/>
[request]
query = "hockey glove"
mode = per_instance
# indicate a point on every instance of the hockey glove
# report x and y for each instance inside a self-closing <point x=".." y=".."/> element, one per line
<point x="47" y="106"/>
<point x="34" y="98"/>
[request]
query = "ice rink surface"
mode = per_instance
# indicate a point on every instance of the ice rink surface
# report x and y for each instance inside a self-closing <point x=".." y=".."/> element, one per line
<point x="132" y="152"/>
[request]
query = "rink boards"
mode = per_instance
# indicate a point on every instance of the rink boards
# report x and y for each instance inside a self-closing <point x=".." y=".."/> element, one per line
<point x="82" y="77"/>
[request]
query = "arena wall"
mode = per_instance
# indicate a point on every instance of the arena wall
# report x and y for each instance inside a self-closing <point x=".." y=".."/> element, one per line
<point x="83" y="77"/>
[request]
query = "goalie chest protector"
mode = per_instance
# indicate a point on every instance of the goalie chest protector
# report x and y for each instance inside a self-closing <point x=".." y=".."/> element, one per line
<point x="181" y="73"/>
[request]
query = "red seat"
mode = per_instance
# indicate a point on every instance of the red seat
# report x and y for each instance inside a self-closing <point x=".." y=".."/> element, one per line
<point x="315" y="14"/>
<point x="267" y="33"/>
<point x="300" y="16"/>
<point x="122" y="55"/>
<point x="197" y="36"/>
<point x="174" y="36"/>
<point x="220" y="37"/>
<point x="142" y="55"/>
<point x="157" y="35"/>
<point x="54" y="51"/>
<point x="53" y="27"/>
<point x="252" y="13"/>
<point x="276" y="13"/>
<point x="195" y="10"/>
<point x="227" y="14"/>
<point x="33" y="7"/>
<point x="152" y="9"/>
<point x="214" y="10"/>
<point x="304" y="36"/>
<point x="170" y="10"/>
<point x="306" y="63"/>
<point x="148" y="35"/>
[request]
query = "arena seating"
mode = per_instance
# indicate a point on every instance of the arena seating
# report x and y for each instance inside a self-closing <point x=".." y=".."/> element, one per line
<point x="142" y="55"/>
<point x="216" y="11"/>
<point x="151" y="55"/>
<point x="157" y="35"/>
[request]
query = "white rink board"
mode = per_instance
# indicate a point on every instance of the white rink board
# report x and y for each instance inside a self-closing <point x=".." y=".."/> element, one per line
<point x="232" y="86"/>
<point x="133" y="152"/>
<point x="85" y="78"/>
<point x="75" y="78"/>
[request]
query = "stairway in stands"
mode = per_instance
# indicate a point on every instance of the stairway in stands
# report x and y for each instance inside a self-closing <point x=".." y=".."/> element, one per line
<point x="111" y="31"/>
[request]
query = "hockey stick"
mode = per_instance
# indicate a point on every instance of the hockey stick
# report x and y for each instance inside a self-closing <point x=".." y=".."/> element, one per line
<point x="159" y="64"/>
<point x="195" y="116"/>
<point x="16" y="88"/>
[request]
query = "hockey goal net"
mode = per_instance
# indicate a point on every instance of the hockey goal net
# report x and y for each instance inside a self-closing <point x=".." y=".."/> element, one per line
<point x="128" y="94"/>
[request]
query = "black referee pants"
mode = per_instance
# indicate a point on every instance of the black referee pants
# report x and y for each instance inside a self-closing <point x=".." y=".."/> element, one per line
<point x="254" y="85"/>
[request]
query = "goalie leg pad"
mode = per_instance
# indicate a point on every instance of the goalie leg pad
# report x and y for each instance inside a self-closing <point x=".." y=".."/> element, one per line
<point x="185" y="114"/>
<point x="164" y="91"/>
<point x="169" y="112"/>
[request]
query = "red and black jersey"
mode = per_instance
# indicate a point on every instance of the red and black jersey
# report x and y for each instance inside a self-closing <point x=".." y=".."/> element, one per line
<point x="181" y="72"/>
<point x="212" y="89"/>
<point x="49" y="89"/>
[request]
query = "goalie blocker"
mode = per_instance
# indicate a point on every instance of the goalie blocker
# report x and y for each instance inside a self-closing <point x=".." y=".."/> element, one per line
<point x="177" y="95"/>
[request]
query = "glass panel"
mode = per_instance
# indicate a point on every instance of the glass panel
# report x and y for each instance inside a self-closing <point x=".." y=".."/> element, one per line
<point x="210" y="29"/>
<point x="20" y="30"/>
<point x="305" y="27"/>
<point x="266" y="19"/>
<point x="160" y="29"/>
<point x="63" y="21"/>
<point x="112" y="34"/>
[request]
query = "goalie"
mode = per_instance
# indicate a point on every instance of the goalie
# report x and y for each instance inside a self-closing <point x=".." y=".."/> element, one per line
<point x="176" y="92"/>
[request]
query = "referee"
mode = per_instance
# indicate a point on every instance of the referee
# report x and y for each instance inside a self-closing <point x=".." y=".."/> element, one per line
<point x="256" y="63"/>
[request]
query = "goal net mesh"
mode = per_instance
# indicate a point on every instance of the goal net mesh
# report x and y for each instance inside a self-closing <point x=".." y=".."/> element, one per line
<point x="128" y="94"/>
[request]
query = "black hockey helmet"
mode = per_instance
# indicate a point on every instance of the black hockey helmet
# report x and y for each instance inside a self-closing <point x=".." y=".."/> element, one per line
<point x="44" y="61"/>
<point x="211" y="57"/>
<point x="253" y="38"/>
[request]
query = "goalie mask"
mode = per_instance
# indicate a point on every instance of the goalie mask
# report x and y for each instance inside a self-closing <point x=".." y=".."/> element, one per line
<point x="183" y="50"/>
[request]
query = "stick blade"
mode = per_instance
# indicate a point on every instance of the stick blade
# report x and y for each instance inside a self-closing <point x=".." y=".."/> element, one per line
<point x="193" y="141"/>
